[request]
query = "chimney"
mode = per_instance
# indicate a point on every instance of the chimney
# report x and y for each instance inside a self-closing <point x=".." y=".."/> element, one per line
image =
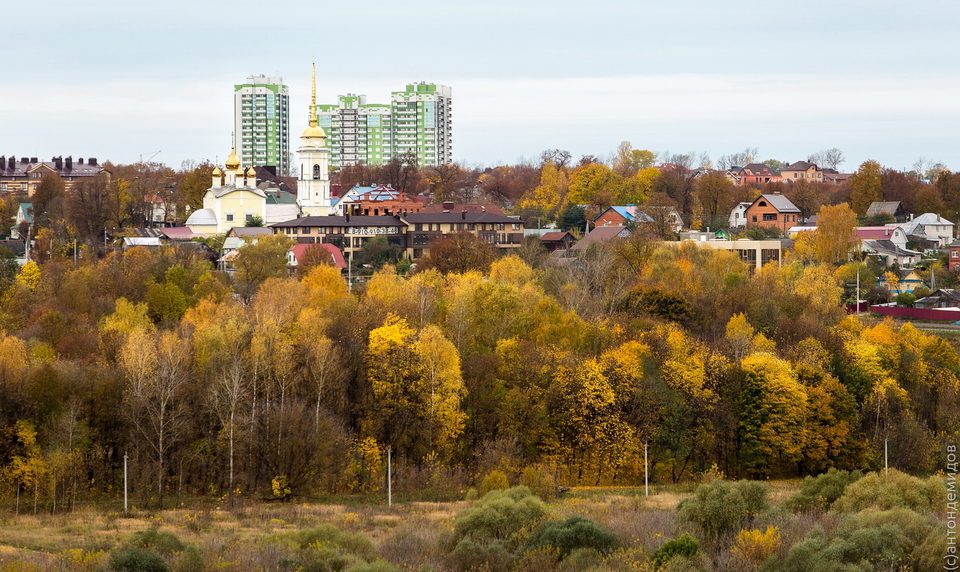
<point x="33" y="159"/>
<point x="12" y="162"/>
<point x="70" y="163"/>
<point x="463" y="215"/>
<point x="91" y="161"/>
<point x="24" y="160"/>
<point x="80" y="161"/>
<point x="58" y="163"/>
<point x="447" y="206"/>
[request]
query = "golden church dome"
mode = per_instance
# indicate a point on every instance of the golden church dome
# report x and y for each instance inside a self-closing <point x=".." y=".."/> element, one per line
<point x="233" y="161"/>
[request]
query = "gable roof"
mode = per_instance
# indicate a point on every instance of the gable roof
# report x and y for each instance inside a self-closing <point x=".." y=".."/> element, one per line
<point x="779" y="202"/>
<point x="876" y="232"/>
<point x="335" y="256"/>
<point x="556" y="236"/>
<point x="630" y="213"/>
<point x="878" y="208"/>
<point x="800" y="166"/>
<point x="601" y="234"/>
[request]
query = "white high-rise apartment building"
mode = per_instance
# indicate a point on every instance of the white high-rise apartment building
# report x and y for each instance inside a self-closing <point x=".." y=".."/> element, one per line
<point x="262" y="122"/>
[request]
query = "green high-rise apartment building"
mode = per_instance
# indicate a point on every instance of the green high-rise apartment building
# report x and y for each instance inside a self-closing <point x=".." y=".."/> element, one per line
<point x="262" y="122"/>
<point x="417" y="120"/>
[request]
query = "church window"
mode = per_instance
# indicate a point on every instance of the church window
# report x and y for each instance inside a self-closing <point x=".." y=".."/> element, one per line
<point x="316" y="172"/>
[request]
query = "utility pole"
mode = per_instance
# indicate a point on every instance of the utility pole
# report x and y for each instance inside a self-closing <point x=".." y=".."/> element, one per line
<point x="646" y="471"/>
<point x="389" y="476"/>
<point x="350" y="275"/>
<point x="886" y="458"/>
<point x="126" y="507"/>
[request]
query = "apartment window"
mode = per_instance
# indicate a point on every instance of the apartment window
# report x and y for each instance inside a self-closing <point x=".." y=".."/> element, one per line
<point x="500" y="226"/>
<point x="229" y="217"/>
<point x="516" y="226"/>
<point x="248" y="218"/>
<point x="754" y="218"/>
<point x="471" y="226"/>
<point x="770" y="216"/>
<point x="3" y="187"/>
<point x="953" y="254"/>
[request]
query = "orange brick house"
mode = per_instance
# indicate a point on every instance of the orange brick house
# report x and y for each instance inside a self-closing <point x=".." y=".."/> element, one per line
<point x="802" y="170"/>
<point x="774" y="211"/>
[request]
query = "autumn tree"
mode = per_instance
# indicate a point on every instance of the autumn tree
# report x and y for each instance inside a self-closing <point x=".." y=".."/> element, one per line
<point x="715" y="194"/>
<point x="629" y="161"/>
<point x="835" y="236"/>
<point x="257" y="261"/>
<point x="772" y="412"/>
<point x="866" y="186"/>
<point x="157" y="370"/>
<point x="458" y="252"/>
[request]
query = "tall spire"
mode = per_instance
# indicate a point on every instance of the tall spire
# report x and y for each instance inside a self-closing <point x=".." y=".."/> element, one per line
<point x="313" y="96"/>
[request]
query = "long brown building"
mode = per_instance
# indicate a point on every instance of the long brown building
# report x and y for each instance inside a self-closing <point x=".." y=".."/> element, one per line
<point x="24" y="175"/>
<point x="414" y="232"/>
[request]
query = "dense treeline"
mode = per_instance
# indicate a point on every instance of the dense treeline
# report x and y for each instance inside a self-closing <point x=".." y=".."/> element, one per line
<point x="298" y="386"/>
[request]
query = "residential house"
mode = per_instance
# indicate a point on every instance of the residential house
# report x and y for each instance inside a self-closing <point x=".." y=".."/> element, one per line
<point x="756" y="174"/>
<point x="802" y="170"/>
<point x="329" y="252"/>
<point x="772" y="211"/>
<point x="931" y="227"/>
<point x="16" y="247"/>
<point x="892" y="209"/>
<point x="631" y="214"/>
<point x="599" y="235"/>
<point x="894" y="234"/>
<point x="942" y="298"/>
<point x="22" y="220"/>
<point x="954" y="259"/>
<point x="890" y="253"/>
<point x="910" y="280"/>
<point x="738" y="216"/>
<point x="559" y="240"/>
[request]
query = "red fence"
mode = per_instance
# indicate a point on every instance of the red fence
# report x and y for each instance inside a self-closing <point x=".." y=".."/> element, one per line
<point x="917" y="313"/>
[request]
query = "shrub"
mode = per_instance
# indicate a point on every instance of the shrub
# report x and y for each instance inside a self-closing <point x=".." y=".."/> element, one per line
<point x="821" y="491"/>
<point x="191" y="560"/>
<point x="471" y="555"/>
<point x="540" y="481"/>
<point x="494" y="481"/>
<point x="906" y="299"/>
<point x="568" y="535"/>
<point x="163" y="542"/>
<point x="375" y="566"/>
<point x="327" y="547"/>
<point x="871" y="540"/>
<point x="892" y="490"/>
<point x="720" y="507"/>
<point x="757" y="545"/>
<point x="133" y="559"/>
<point x="500" y="515"/>
<point x="684" y="545"/>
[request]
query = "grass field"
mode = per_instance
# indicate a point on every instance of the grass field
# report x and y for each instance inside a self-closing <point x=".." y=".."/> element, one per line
<point x="245" y="536"/>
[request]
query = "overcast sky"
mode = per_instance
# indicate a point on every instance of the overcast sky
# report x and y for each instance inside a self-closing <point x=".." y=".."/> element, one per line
<point x="120" y="80"/>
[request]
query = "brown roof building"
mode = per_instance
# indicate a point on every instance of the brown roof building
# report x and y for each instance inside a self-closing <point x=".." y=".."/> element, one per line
<point x="24" y="175"/>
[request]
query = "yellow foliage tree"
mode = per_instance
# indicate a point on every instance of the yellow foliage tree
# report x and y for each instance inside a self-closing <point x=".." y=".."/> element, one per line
<point x="29" y="275"/>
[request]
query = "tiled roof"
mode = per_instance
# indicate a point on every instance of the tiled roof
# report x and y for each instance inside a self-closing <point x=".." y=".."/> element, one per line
<point x="458" y="207"/>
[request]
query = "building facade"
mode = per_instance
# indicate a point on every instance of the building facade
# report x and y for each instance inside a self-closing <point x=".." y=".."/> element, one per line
<point x="24" y="175"/>
<point x="262" y="122"/>
<point x="417" y="121"/>
<point x="774" y="211"/>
